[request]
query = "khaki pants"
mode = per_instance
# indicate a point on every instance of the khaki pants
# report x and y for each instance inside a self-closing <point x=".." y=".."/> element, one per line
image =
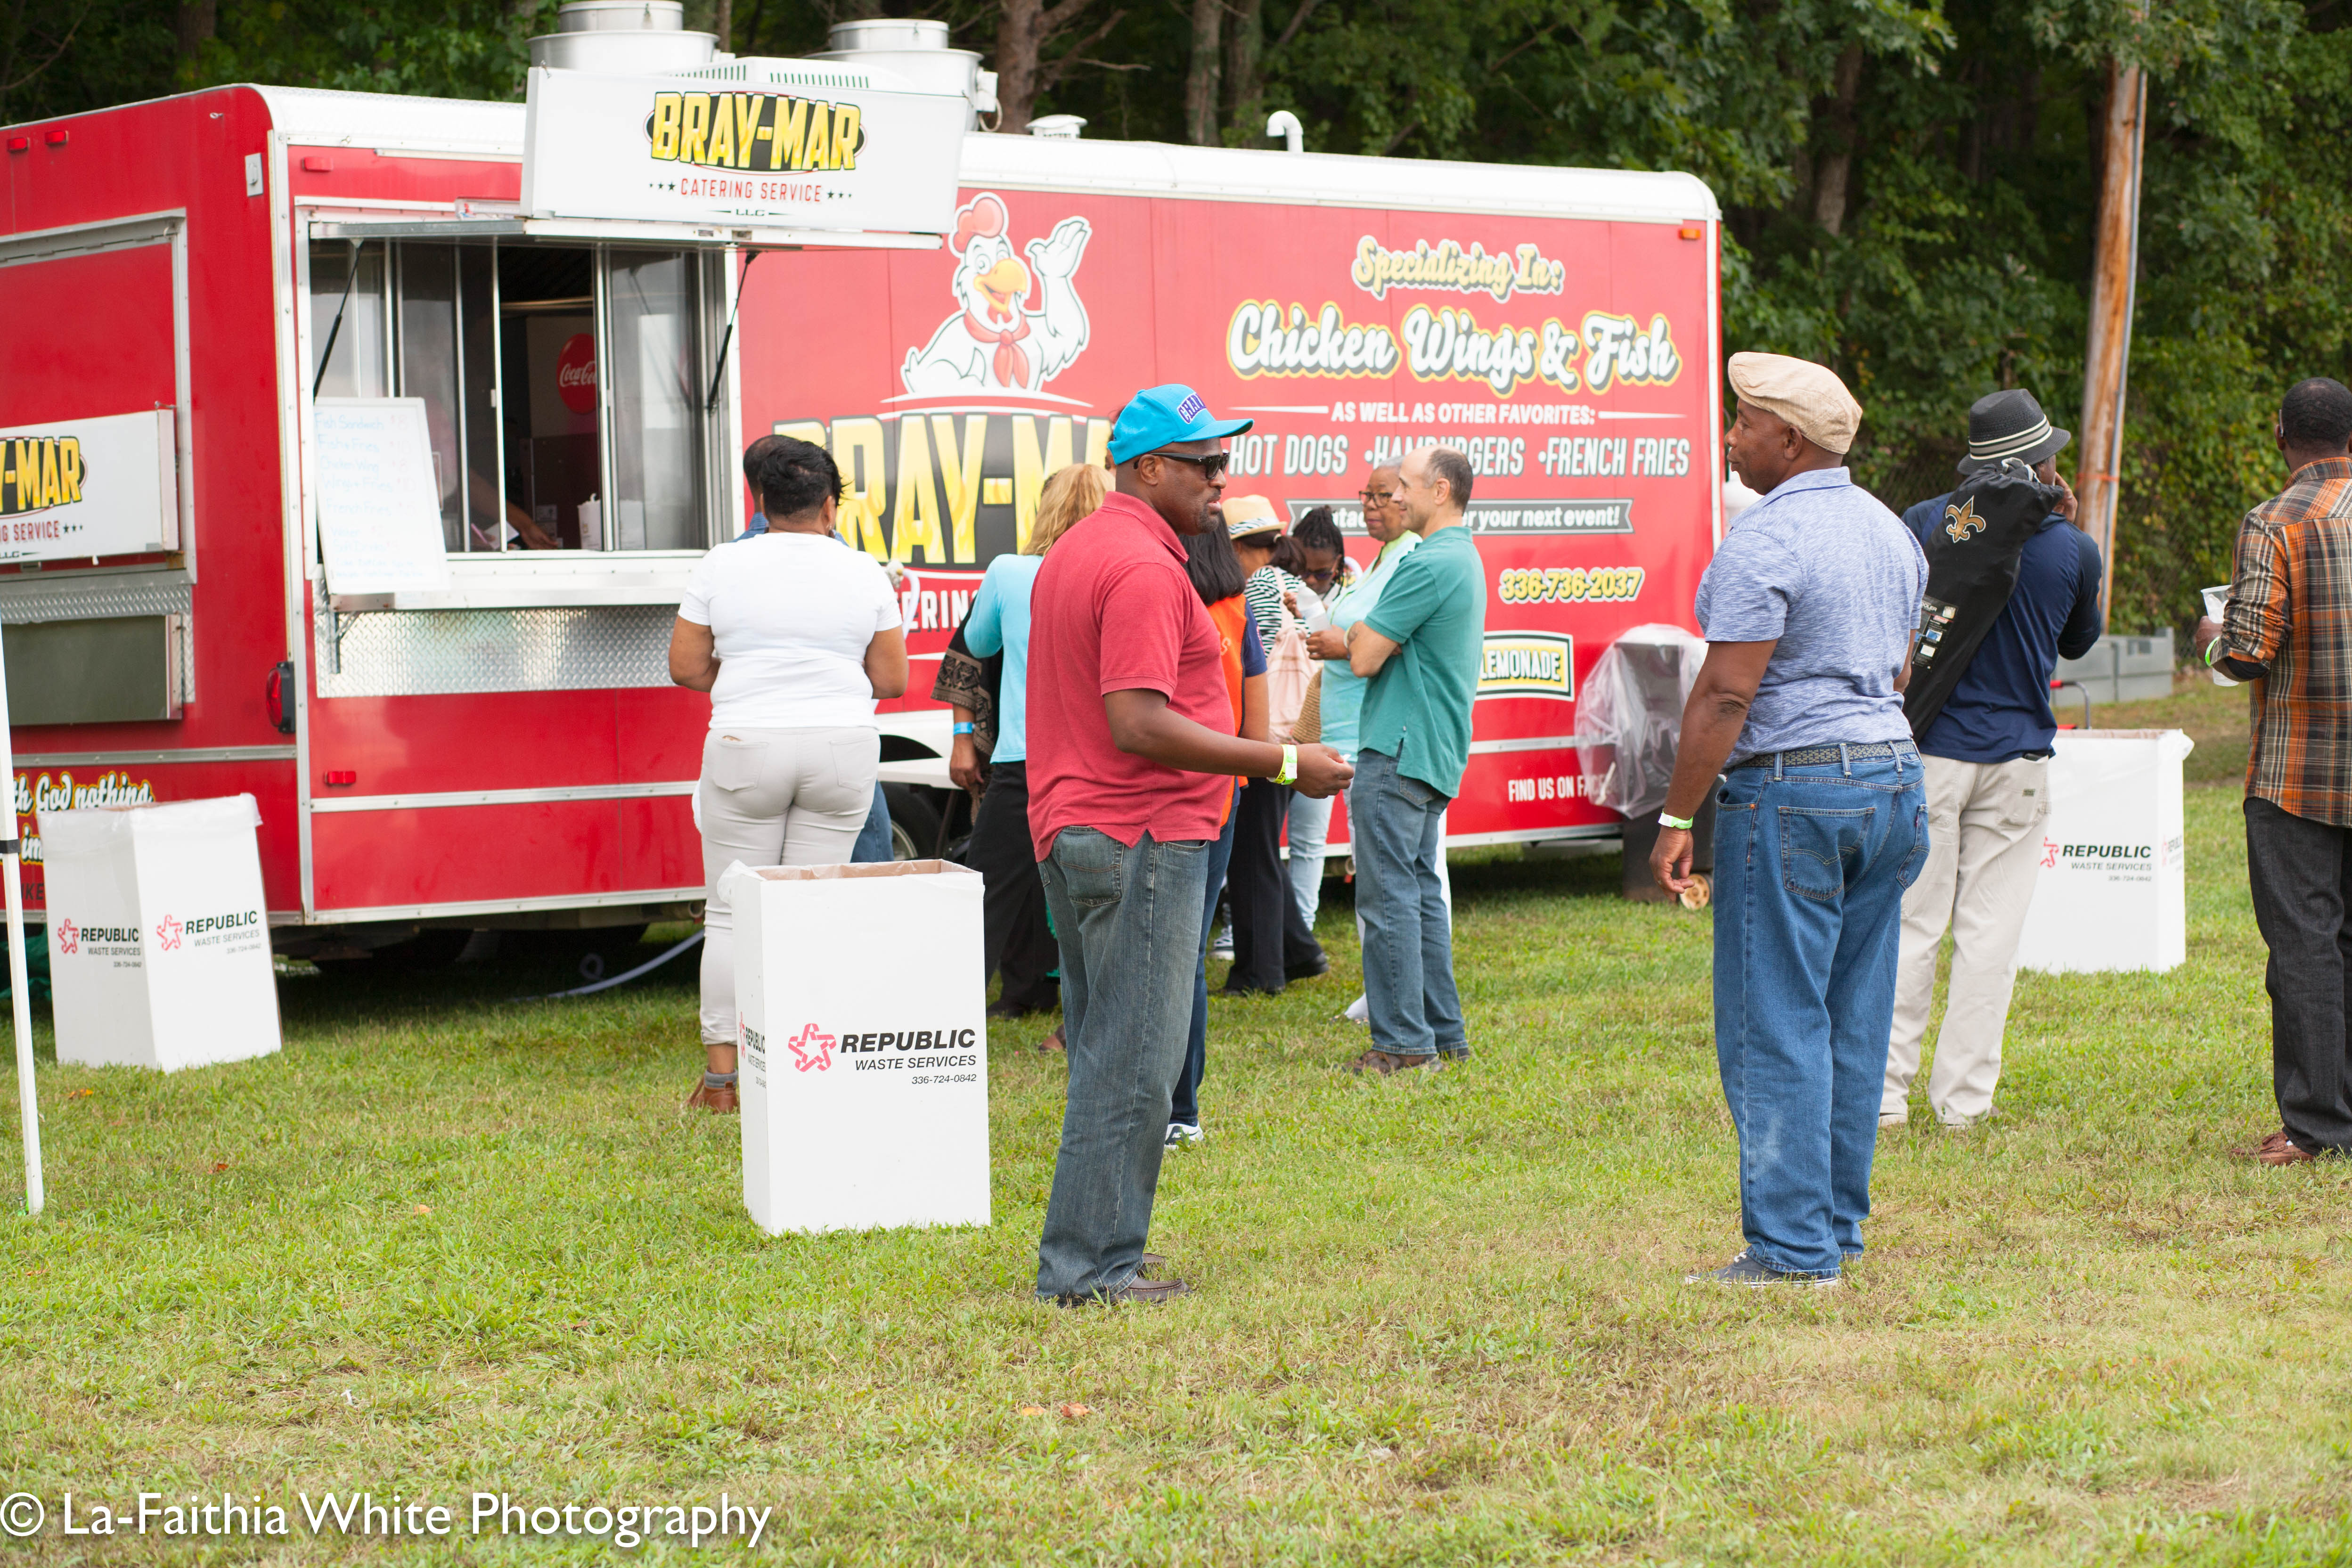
<point x="773" y="797"/>
<point x="1984" y="822"/>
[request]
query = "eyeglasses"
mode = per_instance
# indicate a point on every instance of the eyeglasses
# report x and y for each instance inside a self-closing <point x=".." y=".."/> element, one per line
<point x="1213" y="467"/>
<point x="1376" y="497"/>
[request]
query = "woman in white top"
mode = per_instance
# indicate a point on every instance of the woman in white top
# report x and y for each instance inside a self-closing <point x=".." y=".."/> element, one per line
<point x="794" y="636"/>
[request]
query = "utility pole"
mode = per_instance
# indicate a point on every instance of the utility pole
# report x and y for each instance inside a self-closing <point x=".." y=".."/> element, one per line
<point x="2114" y="269"/>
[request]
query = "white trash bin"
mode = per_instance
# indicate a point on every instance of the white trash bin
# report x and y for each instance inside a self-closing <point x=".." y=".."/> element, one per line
<point x="2112" y="893"/>
<point x="863" y="1075"/>
<point x="159" y="938"/>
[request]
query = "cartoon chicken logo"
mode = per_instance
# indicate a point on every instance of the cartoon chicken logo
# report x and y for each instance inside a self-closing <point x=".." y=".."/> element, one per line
<point x="996" y="342"/>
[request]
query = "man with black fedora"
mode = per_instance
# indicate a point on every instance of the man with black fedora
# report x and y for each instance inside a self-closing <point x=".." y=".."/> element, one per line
<point x="1987" y="753"/>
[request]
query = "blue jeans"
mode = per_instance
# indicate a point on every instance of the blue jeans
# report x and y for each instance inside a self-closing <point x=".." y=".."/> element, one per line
<point x="874" y="838"/>
<point x="1810" y="867"/>
<point x="1186" y="1108"/>
<point x="1396" y="824"/>
<point x="1128" y="923"/>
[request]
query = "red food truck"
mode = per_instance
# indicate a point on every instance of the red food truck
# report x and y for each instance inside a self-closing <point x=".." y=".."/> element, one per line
<point x="354" y="449"/>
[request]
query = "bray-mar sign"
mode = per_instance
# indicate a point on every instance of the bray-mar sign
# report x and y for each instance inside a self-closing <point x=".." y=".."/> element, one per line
<point x="81" y="488"/>
<point x="732" y="154"/>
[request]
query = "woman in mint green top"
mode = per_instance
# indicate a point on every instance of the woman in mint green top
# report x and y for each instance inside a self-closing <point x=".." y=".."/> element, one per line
<point x="999" y="623"/>
<point x="1342" y="697"/>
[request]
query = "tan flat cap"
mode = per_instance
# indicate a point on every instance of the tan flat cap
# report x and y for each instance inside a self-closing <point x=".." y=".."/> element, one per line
<point x="1808" y="395"/>
<point x="1245" y="515"/>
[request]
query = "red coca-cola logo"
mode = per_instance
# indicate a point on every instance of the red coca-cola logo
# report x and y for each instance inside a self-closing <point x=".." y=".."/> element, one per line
<point x="575" y="373"/>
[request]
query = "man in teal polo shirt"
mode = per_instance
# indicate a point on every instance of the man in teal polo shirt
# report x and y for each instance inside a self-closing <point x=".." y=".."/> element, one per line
<point x="1419" y="649"/>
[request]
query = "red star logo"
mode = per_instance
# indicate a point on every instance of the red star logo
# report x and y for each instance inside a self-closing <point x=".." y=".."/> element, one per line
<point x="169" y="933"/>
<point x="2050" y="852"/>
<point x="69" y="936"/>
<point x="812" y="1050"/>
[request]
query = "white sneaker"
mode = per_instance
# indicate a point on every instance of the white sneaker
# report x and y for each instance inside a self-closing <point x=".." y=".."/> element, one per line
<point x="1184" y="1134"/>
<point x="1222" y="944"/>
<point x="1894" y="1118"/>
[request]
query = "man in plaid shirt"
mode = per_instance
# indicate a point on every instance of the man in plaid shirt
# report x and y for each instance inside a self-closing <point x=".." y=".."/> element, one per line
<point x="2288" y="627"/>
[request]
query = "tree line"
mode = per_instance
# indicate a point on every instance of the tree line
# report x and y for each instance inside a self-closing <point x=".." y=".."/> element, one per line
<point x="1909" y="191"/>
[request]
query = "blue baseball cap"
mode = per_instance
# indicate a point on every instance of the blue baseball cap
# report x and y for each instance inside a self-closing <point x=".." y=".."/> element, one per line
<point x="1162" y="416"/>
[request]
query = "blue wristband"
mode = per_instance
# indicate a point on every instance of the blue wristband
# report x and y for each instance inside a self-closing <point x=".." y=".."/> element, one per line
<point x="963" y="729"/>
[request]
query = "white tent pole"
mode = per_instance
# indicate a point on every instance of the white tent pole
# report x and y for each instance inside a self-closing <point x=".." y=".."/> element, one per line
<point x="20" y="990"/>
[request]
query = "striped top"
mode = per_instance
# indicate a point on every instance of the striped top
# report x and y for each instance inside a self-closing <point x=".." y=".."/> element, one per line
<point x="1264" y="590"/>
<point x="2290" y="613"/>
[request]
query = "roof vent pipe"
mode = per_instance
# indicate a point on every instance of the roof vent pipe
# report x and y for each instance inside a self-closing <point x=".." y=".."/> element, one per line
<point x="631" y="37"/>
<point x="917" y="51"/>
<point x="1285" y="124"/>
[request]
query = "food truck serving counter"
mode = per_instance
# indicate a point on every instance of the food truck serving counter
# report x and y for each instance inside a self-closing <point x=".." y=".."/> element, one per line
<point x="354" y="449"/>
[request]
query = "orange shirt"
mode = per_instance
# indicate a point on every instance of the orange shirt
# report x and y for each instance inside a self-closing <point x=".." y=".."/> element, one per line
<point x="1231" y="617"/>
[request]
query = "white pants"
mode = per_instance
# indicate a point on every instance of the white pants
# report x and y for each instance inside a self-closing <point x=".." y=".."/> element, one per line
<point x="1984" y="820"/>
<point x="1310" y="823"/>
<point x="773" y="797"/>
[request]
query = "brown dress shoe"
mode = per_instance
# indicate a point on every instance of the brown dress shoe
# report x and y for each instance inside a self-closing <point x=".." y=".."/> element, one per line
<point x="2267" y="1145"/>
<point x="720" y="1099"/>
<point x="1136" y="1292"/>
<point x="1052" y="1042"/>
<point x="1388" y="1062"/>
<point x="2286" y="1152"/>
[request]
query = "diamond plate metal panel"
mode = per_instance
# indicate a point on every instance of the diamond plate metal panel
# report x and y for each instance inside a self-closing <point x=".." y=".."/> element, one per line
<point x="419" y="653"/>
<point x="30" y="601"/>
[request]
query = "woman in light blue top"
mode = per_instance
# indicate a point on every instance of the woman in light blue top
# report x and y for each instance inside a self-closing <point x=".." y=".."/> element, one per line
<point x="1017" y="941"/>
<point x="1342" y="698"/>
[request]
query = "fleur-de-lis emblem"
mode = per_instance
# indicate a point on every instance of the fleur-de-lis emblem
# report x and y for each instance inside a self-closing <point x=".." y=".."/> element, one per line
<point x="1961" y="521"/>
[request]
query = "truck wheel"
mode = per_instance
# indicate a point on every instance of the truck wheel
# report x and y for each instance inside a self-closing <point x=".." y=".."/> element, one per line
<point x="433" y="948"/>
<point x="914" y="824"/>
<point x="584" y="956"/>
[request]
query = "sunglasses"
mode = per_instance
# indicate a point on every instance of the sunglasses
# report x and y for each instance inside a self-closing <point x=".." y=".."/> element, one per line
<point x="1213" y="467"/>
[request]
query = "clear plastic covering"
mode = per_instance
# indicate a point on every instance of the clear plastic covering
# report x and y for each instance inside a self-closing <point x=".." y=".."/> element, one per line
<point x="1630" y="716"/>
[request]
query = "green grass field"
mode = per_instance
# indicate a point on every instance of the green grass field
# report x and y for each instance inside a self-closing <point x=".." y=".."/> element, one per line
<point x="445" y="1244"/>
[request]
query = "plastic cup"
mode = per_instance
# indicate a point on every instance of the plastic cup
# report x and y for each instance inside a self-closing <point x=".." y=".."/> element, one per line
<point x="2217" y="599"/>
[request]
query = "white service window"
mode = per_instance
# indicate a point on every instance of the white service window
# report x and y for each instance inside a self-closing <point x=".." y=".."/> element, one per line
<point x="657" y="397"/>
<point x="348" y="334"/>
<point x="566" y="387"/>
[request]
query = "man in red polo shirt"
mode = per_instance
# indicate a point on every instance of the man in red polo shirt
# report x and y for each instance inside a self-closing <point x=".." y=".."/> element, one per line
<point x="1132" y="756"/>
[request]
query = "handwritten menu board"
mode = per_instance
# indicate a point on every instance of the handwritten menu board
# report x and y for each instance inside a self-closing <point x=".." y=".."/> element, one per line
<point x="379" y="502"/>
